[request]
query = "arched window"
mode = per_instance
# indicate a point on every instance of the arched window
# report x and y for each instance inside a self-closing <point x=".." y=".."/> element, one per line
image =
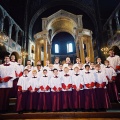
<point x="56" y="48"/>
<point x="69" y="47"/>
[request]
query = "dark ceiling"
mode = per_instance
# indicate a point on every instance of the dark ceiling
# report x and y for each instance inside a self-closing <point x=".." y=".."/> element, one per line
<point x="16" y="9"/>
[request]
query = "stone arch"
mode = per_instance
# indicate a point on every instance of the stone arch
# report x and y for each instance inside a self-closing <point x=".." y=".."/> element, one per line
<point x="58" y="2"/>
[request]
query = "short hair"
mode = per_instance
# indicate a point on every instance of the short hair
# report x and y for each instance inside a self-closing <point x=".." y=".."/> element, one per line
<point x="111" y="49"/>
<point x="45" y="70"/>
<point x="55" y="69"/>
<point x="76" y="67"/>
<point x="25" y="70"/>
<point x="106" y="61"/>
<point x="97" y="65"/>
<point x="57" y="58"/>
<point x="34" y="71"/>
<point x="87" y="66"/>
<point x="6" y="56"/>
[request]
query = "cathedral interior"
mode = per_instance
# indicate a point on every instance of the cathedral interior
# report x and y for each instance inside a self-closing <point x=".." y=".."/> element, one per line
<point x="44" y="29"/>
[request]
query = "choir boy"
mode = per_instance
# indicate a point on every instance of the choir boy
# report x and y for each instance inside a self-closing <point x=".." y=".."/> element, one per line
<point x="66" y="62"/>
<point x="22" y="92"/>
<point x="44" y="100"/>
<point x="66" y="90"/>
<point x="70" y="66"/>
<point x="89" y="89"/>
<point x="102" y="66"/>
<point x="7" y="75"/>
<point x="56" y="87"/>
<point x="60" y="70"/>
<point x="39" y="70"/>
<point x="77" y="62"/>
<point x="19" y="73"/>
<point x="56" y="63"/>
<point x="47" y="65"/>
<point x="114" y="61"/>
<point x="39" y="64"/>
<point x="28" y="65"/>
<point x="78" y="92"/>
<point x="111" y="87"/>
<point x="33" y="94"/>
<point x="101" y="92"/>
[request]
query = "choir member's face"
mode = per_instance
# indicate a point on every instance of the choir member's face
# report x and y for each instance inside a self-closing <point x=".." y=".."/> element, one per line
<point x="111" y="53"/>
<point x="97" y="68"/>
<point x="45" y="72"/>
<point x="7" y="59"/>
<point x="80" y="65"/>
<point x="92" y="65"/>
<point x="25" y="72"/>
<point x="34" y="73"/>
<point x="55" y="72"/>
<point x="38" y="67"/>
<point x="28" y="62"/>
<point x="76" y="70"/>
<point x="29" y="67"/>
<point x="60" y="66"/>
<point x="66" y="70"/>
<point x="78" y="60"/>
<point x="87" y="59"/>
<point x="99" y="60"/>
<point x="56" y="60"/>
<point x="87" y="68"/>
<point x="12" y="57"/>
<point x="20" y="61"/>
<point x="51" y="66"/>
<point x="70" y="66"/>
<point x="106" y="63"/>
<point x="67" y="60"/>
<point x="47" y="62"/>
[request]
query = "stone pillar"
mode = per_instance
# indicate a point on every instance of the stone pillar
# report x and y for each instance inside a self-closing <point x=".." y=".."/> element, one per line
<point x="10" y="30"/>
<point x="77" y="49"/>
<point x="82" y="55"/>
<point x="110" y="26"/>
<point x="1" y="24"/>
<point x="45" y="51"/>
<point x="36" y="51"/>
<point x="91" y="52"/>
<point x="49" y="53"/>
<point x="117" y="20"/>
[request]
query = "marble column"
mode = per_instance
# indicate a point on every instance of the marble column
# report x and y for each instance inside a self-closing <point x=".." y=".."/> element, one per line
<point x="45" y="51"/>
<point x="91" y="52"/>
<point x="49" y="53"/>
<point x="10" y="30"/>
<point x="36" y="51"/>
<point x="82" y="55"/>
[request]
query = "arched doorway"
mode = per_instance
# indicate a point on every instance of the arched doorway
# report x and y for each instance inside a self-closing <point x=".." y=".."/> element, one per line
<point x="63" y="44"/>
<point x="63" y="21"/>
<point x="16" y="55"/>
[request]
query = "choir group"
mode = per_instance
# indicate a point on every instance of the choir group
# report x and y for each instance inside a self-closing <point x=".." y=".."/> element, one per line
<point x="60" y="87"/>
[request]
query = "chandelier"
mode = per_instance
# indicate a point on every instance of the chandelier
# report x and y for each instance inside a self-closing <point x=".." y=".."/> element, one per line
<point x="105" y="50"/>
<point x="3" y="38"/>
